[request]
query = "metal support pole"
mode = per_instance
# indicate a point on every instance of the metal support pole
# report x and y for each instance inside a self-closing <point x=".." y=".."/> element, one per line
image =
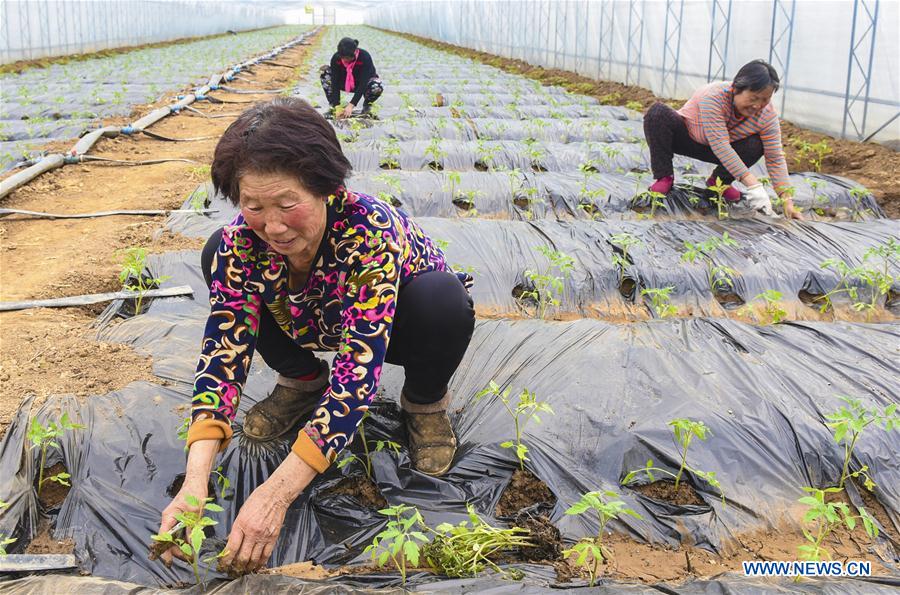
<point x="780" y="41"/>
<point x="860" y="64"/>
<point x="607" y="24"/>
<point x="718" y="40"/>
<point x="583" y="47"/>
<point x="671" y="47"/>
<point x="635" y="41"/>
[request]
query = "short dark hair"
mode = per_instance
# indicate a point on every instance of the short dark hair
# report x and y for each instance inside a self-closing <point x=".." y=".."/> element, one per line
<point x="756" y="76"/>
<point x="347" y="47"/>
<point x="285" y="135"/>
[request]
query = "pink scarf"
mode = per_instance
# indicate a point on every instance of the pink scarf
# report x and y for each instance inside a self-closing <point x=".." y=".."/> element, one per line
<point x="350" y="84"/>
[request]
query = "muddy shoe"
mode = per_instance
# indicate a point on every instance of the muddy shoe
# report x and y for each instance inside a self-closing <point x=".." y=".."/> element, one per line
<point x="288" y="402"/>
<point x="432" y="443"/>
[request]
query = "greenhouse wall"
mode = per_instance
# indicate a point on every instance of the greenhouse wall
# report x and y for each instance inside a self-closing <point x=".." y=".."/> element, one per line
<point x="674" y="46"/>
<point x="33" y="29"/>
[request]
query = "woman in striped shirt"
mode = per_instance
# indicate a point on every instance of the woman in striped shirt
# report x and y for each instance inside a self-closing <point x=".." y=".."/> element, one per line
<point x="729" y="124"/>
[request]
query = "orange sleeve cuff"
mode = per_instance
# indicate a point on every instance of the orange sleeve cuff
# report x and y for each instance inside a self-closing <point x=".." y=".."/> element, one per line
<point x="307" y="450"/>
<point x="210" y="429"/>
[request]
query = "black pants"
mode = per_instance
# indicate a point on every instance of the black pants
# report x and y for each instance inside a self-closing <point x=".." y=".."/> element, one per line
<point x="374" y="87"/>
<point x="432" y="328"/>
<point x="667" y="134"/>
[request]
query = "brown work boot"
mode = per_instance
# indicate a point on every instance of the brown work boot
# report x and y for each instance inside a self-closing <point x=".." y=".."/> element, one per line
<point x="432" y="443"/>
<point x="288" y="402"/>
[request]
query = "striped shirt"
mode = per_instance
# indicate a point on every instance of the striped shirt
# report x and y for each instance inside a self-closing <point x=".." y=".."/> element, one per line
<point x="710" y="120"/>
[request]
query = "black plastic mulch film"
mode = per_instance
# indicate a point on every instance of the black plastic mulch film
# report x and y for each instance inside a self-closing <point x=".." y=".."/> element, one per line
<point x="763" y="390"/>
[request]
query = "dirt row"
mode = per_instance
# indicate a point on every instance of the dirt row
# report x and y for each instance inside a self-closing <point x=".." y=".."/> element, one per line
<point x="52" y="351"/>
<point x="872" y="165"/>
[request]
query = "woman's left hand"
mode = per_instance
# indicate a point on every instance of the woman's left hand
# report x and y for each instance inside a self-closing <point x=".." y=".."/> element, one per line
<point x="255" y="531"/>
<point x="347" y="111"/>
<point x="792" y="212"/>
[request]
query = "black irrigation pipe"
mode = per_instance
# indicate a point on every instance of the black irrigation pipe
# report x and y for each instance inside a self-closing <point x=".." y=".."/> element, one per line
<point x="250" y="91"/>
<point x="194" y="110"/>
<point x="41" y="215"/>
<point x="212" y="99"/>
<point x="91" y="158"/>
<point x="95" y="298"/>
<point x="75" y="154"/>
<point x="176" y="140"/>
<point x="271" y="63"/>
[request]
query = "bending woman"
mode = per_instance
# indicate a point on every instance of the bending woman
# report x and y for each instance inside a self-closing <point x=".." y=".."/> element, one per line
<point x="729" y="124"/>
<point x="352" y="71"/>
<point x="310" y="265"/>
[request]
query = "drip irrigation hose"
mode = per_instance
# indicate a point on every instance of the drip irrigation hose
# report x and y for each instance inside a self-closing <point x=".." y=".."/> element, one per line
<point x="41" y="215"/>
<point x="176" y="140"/>
<point x="212" y="99"/>
<point x="250" y="91"/>
<point x="205" y="115"/>
<point x="89" y="158"/>
<point x="94" y="298"/>
<point x="55" y="160"/>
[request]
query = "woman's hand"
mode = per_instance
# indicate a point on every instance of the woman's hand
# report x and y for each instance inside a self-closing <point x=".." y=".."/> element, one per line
<point x="258" y="524"/>
<point x="255" y="531"/>
<point x="196" y="483"/>
<point x="346" y="112"/>
<point x="792" y="212"/>
<point x="749" y="180"/>
<point x="196" y="487"/>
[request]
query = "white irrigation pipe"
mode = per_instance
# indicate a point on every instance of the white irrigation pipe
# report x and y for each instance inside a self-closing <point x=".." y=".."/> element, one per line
<point x="146" y="213"/>
<point x="95" y="298"/>
<point x="53" y="161"/>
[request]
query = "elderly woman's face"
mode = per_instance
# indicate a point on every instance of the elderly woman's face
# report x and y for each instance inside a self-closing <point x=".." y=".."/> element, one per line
<point x="748" y="103"/>
<point x="283" y="214"/>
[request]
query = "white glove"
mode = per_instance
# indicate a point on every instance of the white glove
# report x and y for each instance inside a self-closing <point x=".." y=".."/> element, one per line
<point x="758" y="200"/>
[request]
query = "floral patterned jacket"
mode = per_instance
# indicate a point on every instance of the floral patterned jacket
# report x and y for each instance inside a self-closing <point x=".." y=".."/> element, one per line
<point x="368" y="252"/>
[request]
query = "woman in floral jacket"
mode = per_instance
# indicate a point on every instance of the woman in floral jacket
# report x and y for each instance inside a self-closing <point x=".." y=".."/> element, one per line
<point x="309" y="265"/>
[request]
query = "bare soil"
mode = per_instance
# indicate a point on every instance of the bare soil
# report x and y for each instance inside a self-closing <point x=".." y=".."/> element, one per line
<point x="304" y="570"/>
<point x="46" y="352"/>
<point x="872" y="165"/>
<point x="665" y="490"/>
<point x="362" y="489"/>
<point x="53" y="493"/>
<point x="544" y="535"/>
<point x="872" y="506"/>
<point x="44" y="543"/>
<point x="632" y="561"/>
<point x="524" y="490"/>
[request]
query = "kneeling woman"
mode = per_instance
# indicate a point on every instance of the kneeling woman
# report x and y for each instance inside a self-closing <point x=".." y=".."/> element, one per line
<point x="729" y="124"/>
<point x="310" y="265"/>
<point x="351" y="70"/>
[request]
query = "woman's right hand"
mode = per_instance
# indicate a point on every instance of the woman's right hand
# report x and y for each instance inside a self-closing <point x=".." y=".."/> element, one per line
<point x="749" y="180"/>
<point x="197" y="487"/>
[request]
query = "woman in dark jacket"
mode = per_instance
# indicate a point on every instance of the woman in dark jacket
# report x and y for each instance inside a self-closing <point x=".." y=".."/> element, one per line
<point x="351" y="71"/>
